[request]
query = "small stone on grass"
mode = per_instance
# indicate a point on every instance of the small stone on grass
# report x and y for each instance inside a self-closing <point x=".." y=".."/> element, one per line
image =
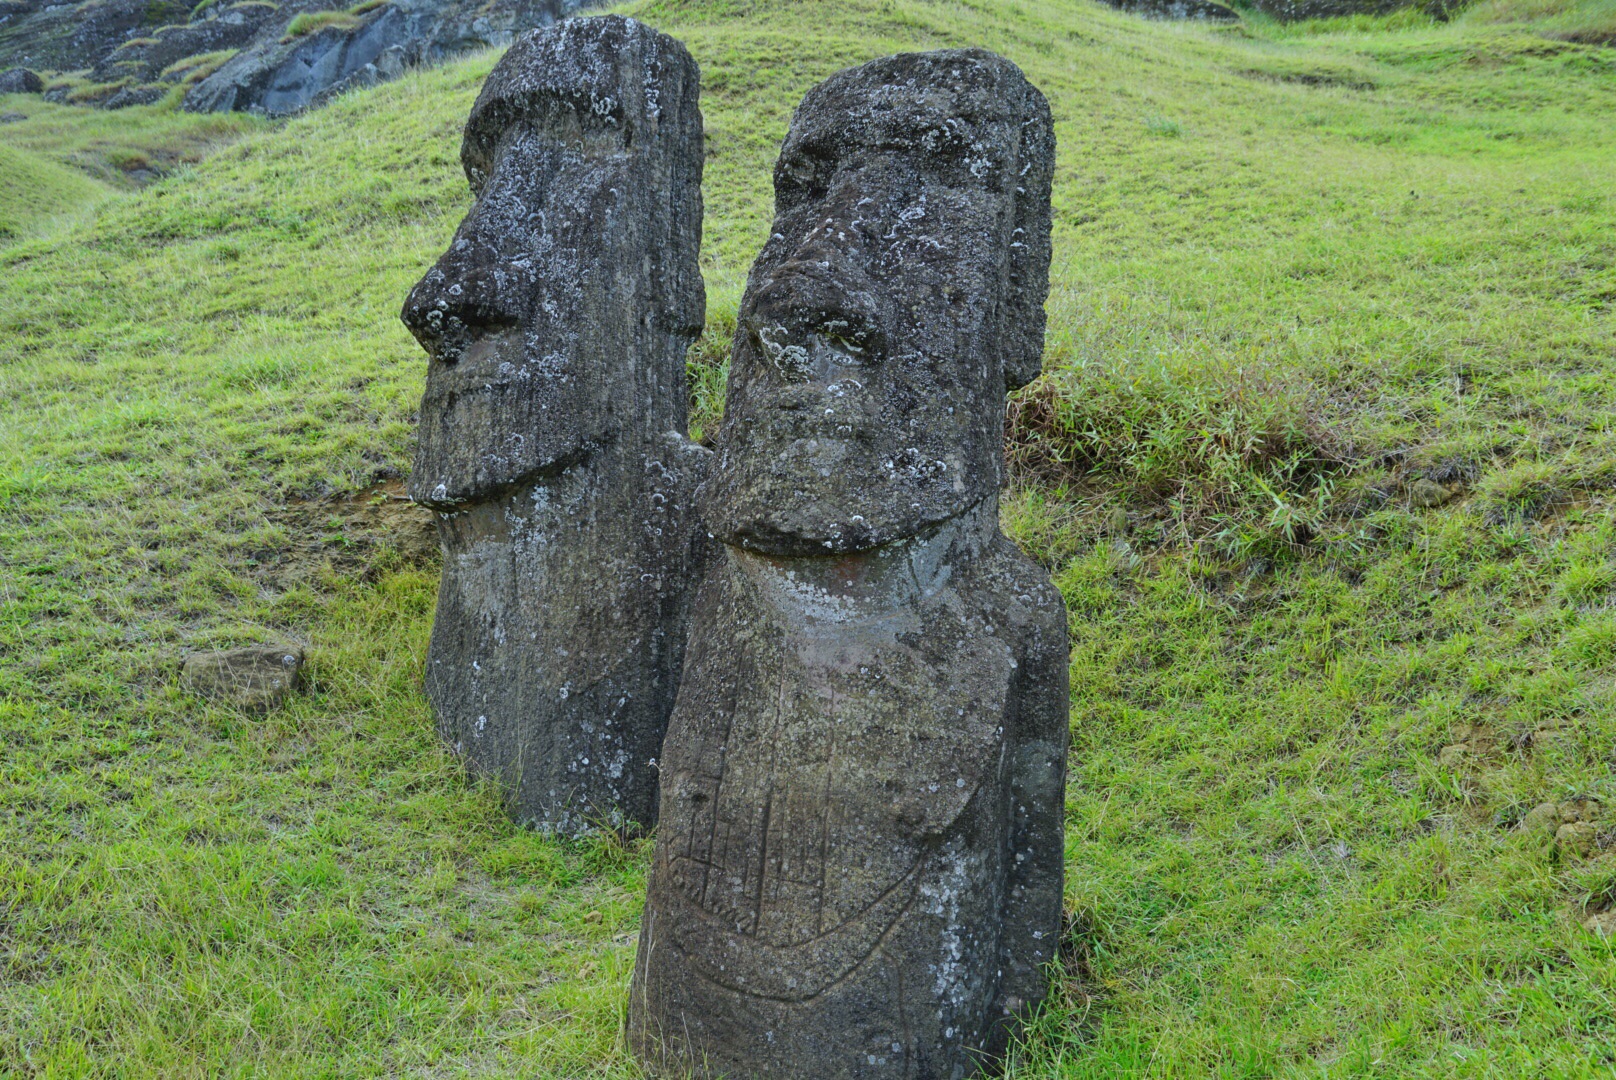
<point x="257" y="679"/>
<point x="1426" y="493"/>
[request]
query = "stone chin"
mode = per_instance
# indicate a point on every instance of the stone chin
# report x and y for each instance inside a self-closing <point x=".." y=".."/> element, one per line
<point x="498" y="417"/>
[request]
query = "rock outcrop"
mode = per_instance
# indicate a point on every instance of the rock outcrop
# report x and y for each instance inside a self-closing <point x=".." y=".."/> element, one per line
<point x="260" y="56"/>
<point x="858" y="863"/>
<point x="52" y="36"/>
<point x="21" y="81"/>
<point x="1207" y="10"/>
<point x="284" y="73"/>
<point x="552" y="439"/>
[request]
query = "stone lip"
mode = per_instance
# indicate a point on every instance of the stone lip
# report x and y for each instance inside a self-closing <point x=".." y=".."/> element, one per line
<point x="256" y="679"/>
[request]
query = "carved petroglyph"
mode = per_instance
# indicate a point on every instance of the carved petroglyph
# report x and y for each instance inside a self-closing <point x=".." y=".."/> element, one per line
<point x="858" y="867"/>
<point x="552" y="430"/>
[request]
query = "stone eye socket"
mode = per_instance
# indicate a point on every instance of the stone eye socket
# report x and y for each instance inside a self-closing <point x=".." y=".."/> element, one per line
<point x="805" y="177"/>
<point x="948" y="143"/>
<point x="851" y="338"/>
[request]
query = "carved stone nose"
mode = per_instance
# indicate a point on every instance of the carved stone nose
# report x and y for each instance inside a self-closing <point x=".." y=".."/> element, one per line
<point x="472" y="288"/>
<point x="807" y="305"/>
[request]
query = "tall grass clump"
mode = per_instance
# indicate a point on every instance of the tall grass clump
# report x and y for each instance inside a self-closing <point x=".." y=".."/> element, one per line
<point x="311" y="22"/>
<point x="1231" y="456"/>
<point x="707" y="369"/>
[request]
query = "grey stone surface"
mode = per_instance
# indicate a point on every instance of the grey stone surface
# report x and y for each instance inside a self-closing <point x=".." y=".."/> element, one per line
<point x="135" y="48"/>
<point x="552" y="436"/>
<point x="256" y="679"/>
<point x="277" y="75"/>
<point x="1208" y="10"/>
<point x="145" y="60"/>
<point x="70" y="36"/>
<point x="858" y="865"/>
<point x="21" y="81"/>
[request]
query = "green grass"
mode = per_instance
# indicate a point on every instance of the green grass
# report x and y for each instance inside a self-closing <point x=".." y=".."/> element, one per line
<point x="198" y="66"/>
<point x="109" y="145"/>
<point x="1588" y="21"/>
<point x="38" y="193"/>
<point x="311" y="22"/>
<point x="1310" y="717"/>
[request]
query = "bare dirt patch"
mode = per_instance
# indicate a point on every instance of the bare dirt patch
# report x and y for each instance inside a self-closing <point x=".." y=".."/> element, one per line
<point x="359" y="535"/>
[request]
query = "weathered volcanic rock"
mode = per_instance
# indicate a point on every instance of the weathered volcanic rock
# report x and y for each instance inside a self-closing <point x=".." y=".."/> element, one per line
<point x="257" y="55"/>
<point x="552" y="437"/>
<point x="279" y="74"/>
<point x="255" y="679"/>
<point x="76" y="36"/>
<point x="21" y="81"/>
<point x="858" y="863"/>
<point x="1177" y="9"/>
<point x="145" y="60"/>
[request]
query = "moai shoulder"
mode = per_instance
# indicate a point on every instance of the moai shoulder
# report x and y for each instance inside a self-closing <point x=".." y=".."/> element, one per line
<point x="858" y="868"/>
<point x="552" y="436"/>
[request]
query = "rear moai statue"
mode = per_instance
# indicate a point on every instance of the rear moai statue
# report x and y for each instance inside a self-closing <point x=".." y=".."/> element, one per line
<point x="858" y="865"/>
<point x="552" y="437"/>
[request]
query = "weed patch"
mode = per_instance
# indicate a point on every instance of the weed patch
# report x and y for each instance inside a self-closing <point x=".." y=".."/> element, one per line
<point x="1241" y="460"/>
<point x="312" y="22"/>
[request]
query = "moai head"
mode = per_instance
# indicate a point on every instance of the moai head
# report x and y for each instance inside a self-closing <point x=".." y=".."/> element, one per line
<point x="530" y="315"/>
<point x="899" y="296"/>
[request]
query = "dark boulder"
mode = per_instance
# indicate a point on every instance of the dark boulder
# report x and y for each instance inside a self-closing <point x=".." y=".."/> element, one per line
<point x="21" y="81"/>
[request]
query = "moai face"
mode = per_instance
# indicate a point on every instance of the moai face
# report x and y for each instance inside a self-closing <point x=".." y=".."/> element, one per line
<point x="899" y="296"/>
<point x="545" y="264"/>
<point x="551" y="437"/>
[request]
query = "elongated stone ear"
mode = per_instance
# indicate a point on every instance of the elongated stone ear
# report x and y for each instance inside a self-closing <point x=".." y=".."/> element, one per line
<point x="1030" y="245"/>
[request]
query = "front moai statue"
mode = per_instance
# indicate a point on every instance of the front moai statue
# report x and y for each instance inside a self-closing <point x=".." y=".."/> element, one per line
<point x="552" y="436"/>
<point x="858" y="865"/>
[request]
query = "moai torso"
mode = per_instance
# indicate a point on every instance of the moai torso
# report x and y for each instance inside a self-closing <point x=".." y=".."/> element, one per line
<point x="859" y="861"/>
<point x="552" y="430"/>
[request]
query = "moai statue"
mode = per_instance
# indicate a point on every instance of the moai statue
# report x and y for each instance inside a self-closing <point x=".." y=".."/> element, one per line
<point x="552" y="438"/>
<point x="858" y="864"/>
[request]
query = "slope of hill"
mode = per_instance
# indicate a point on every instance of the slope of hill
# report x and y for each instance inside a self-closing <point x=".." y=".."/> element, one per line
<point x="37" y="191"/>
<point x="57" y="163"/>
<point x="1322" y="462"/>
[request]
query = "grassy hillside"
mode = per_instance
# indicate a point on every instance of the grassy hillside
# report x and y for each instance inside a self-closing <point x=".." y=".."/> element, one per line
<point x="57" y="162"/>
<point x="37" y="192"/>
<point x="1322" y="462"/>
